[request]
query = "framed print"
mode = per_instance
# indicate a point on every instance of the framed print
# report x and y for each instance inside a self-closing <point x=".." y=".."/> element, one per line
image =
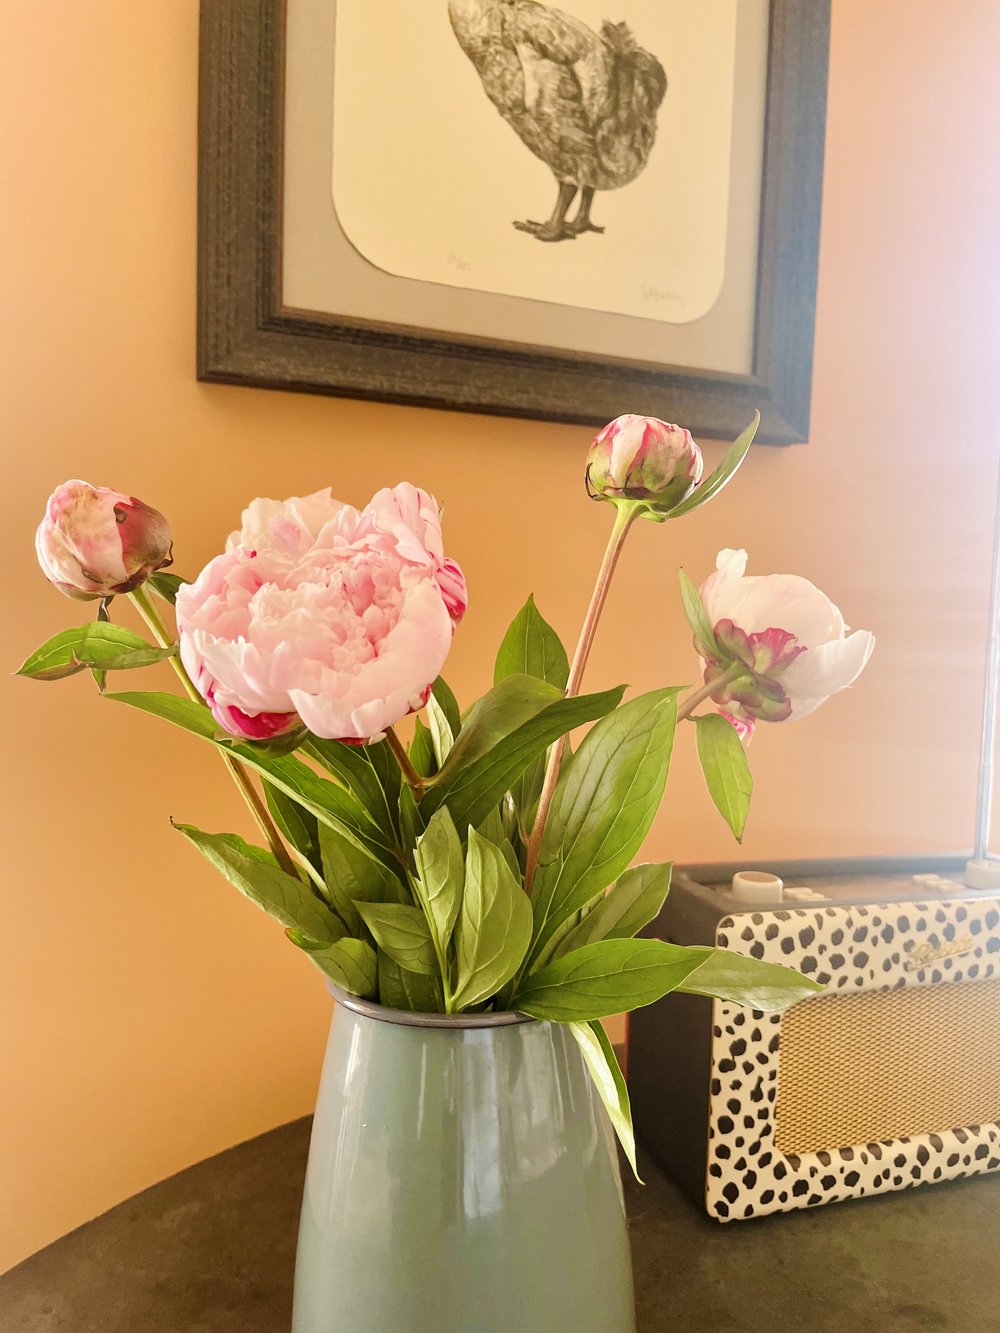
<point x="513" y="207"/>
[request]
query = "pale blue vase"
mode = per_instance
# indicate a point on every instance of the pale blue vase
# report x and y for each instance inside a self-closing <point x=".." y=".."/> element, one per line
<point x="462" y="1178"/>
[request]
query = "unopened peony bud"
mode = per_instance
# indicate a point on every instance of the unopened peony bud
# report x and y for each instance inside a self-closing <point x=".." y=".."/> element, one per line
<point x="643" y="458"/>
<point x="95" y="542"/>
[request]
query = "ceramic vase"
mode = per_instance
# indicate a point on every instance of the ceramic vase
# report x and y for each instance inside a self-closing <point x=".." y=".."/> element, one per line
<point x="462" y="1178"/>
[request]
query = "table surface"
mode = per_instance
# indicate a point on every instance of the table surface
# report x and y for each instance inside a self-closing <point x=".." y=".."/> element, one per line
<point x="212" y="1250"/>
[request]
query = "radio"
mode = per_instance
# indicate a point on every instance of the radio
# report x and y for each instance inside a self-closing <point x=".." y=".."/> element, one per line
<point x="888" y="1079"/>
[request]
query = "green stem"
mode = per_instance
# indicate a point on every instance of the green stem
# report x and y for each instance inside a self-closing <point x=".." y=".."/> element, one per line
<point x="413" y="778"/>
<point x="687" y="706"/>
<point x="143" y="603"/>
<point x="625" y="516"/>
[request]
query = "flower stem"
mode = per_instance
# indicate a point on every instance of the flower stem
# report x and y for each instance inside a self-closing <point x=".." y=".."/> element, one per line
<point x="143" y="603"/>
<point x="625" y="516"/>
<point x="687" y="706"/>
<point x="413" y="778"/>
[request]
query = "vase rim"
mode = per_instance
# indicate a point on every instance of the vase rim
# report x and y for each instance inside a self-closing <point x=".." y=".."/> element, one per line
<point x="410" y="1019"/>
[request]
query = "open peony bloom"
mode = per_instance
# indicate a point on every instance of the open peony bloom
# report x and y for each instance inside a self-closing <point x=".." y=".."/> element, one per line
<point x="643" y="458"/>
<point x="322" y="616"/>
<point x="95" y="542"/>
<point x="782" y="645"/>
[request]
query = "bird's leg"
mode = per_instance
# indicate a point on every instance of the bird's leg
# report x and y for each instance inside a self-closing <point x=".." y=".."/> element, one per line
<point x="582" y="220"/>
<point x="556" y="229"/>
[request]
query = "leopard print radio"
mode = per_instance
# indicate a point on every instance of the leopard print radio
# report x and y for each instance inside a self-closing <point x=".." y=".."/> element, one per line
<point x="887" y="1079"/>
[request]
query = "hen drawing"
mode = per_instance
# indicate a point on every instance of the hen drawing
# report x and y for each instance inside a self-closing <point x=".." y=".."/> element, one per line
<point x="584" y="102"/>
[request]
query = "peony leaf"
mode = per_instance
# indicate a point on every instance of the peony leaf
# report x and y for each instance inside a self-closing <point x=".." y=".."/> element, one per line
<point x="403" y="933"/>
<point x="697" y="617"/>
<point x="100" y="646"/>
<point x="471" y="791"/>
<point x="608" y="977"/>
<point x="727" y="773"/>
<point x="409" y="991"/>
<point x="257" y="876"/>
<point x="351" y="876"/>
<point x="440" y="877"/>
<point x="632" y="902"/>
<point x="363" y="774"/>
<point x="723" y="474"/>
<point x="165" y="585"/>
<point x="495" y="716"/>
<point x="493" y="931"/>
<point x="749" y="982"/>
<point x="448" y="704"/>
<point x="442" y="736"/>
<point x="603" y="806"/>
<point x="531" y="647"/>
<point x="350" y="964"/>
<point x="607" y="1077"/>
<point x="422" y="750"/>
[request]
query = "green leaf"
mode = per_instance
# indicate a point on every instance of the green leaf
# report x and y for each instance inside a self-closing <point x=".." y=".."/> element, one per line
<point x="631" y="903"/>
<point x="442" y="736"/>
<point x="749" y="982"/>
<point x="473" y="790"/>
<point x="531" y="647"/>
<point x="421" y="751"/>
<point x="165" y="585"/>
<point x="254" y="872"/>
<point x="402" y="989"/>
<point x="298" y="826"/>
<point x="332" y="805"/>
<point x="494" y="925"/>
<point x="553" y="945"/>
<point x="448" y="704"/>
<point x="100" y="646"/>
<point x="440" y="877"/>
<point x="609" y="977"/>
<point x="604" y="804"/>
<point x="350" y="964"/>
<point x="607" y="1077"/>
<point x="697" y="617"/>
<point x="403" y="933"/>
<point x="727" y="773"/>
<point x="495" y="716"/>
<point x="352" y="876"/>
<point x="722" y="475"/>
<point x="411" y="820"/>
<point x="356" y="770"/>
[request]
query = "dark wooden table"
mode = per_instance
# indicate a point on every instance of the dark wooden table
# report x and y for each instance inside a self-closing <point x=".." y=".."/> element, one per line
<point x="212" y="1251"/>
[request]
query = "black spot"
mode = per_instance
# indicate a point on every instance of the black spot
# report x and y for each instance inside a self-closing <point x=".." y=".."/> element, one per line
<point x="975" y="927"/>
<point x="876" y="1151"/>
<point x="780" y="1170"/>
<point x="767" y="1196"/>
<point x="739" y="1019"/>
<point x="733" y="1105"/>
<point x="837" y="937"/>
<point x="740" y="1164"/>
<point x="949" y="932"/>
<point x="756" y="1035"/>
<point x="982" y="1151"/>
<point x="836" y="961"/>
<point x="726" y="1126"/>
<point x="731" y="1191"/>
<point x="828" y="1182"/>
<point x="992" y="917"/>
<point x="750" y="1179"/>
<point x="722" y="1151"/>
<point x="757" y="1094"/>
<point x="859" y="934"/>
<point x="847" y="1154"/>
<point x="897" y="1180"/>
<point x="748" y="1066"/>
<point x="852" y="1178"/>
<point x="757" y="950"/>
<point x="935" y="975"/>
<point x="771" y="933"/>
<point x="916" y="1172"/>
<point x="923" y="1156"/>
<point x="824" y="1158"/>
<point x="936" y="1142"/>
<point x="815" y="1199"/>
<point x="715" y="1170"/>
<point x="953" y="1159"/>
<point x="800" y="1187"/>
<point x="726" y="1066"/>
<point x="783" y="1196"/>
<point x="787" y="945"/>
<point x="739" y="1141"/>
<point x="748" y="1122"/>
<point x="722" y="1209"/>
<point x="716" y="1086"/>
<point x="716" y="1031"/>
<point x="808" y="964"/>
<point x="887" y="934"/>
<point x="992" y="944"/>
<point x="961" y="1135"/>
<point x="746" y="933"/>
<point x="900" y="1160"/>
<point x="737" y="1047"/>
<point x="765" y="1158"/>
<point x="774" y="1043"/>
<point x="806" y="936"/>
<point x="903" y="923"/>
<point x="887" y="965"/>
<point x="861" y="959"/>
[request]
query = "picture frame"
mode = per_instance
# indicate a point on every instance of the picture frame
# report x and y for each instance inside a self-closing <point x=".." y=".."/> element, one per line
<point x="247" y="335"/>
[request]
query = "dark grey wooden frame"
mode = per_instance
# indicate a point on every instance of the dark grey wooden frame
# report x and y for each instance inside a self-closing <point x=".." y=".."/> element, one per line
<point x="245" y="336"/>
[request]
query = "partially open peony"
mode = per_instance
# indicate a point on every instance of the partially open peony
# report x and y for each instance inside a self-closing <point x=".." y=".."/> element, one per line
<point x="783" y="647"/>
<point x="323" y="616"/>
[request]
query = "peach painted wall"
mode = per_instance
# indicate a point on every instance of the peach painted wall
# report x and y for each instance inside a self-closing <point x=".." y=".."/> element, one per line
<point x="149" y="1016"/>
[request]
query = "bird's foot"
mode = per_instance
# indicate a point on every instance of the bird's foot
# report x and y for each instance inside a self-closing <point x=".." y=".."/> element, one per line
<point x="579" y="226"/>
<point x="547" y="231"/>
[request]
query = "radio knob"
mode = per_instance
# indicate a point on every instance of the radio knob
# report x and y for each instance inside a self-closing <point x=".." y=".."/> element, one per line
<point x="756" y="886"/>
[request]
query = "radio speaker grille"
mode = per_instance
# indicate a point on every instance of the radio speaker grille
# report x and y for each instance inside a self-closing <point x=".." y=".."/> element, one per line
<point x="888" y="1064"/>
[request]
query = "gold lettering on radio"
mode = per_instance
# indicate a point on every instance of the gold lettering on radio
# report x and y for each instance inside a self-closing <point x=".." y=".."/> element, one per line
<point x="922" y="955"/>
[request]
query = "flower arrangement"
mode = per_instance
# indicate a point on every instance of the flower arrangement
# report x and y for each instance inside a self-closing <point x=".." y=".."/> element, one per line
<point x="483" y="865"/>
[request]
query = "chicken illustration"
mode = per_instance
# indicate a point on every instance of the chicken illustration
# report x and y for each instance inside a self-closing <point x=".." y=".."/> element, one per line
<point x="585" y="103"/>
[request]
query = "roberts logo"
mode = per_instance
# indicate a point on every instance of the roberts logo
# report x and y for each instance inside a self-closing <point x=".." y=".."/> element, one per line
<point x="922" y="955"/>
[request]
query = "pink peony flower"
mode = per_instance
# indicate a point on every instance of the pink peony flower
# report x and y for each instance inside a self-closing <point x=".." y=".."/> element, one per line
<point x="783" y="647"/>
<point x="95" y="542"/>
<point x="643" y="458"/>
<point x="322" y="616"/>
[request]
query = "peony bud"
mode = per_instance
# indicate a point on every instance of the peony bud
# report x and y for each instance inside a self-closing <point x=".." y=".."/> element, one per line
<point x="781" y="647"/>
<point x="95" y="542"/>
<point x="642" y="458"/>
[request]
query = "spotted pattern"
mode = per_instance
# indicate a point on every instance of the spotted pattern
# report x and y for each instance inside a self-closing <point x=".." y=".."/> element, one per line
<point x="847" y="949"/>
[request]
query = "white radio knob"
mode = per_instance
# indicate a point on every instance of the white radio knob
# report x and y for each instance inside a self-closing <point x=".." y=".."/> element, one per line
<point x="755" y="886"/>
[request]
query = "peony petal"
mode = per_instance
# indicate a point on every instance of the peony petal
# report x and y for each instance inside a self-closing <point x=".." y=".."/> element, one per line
<point x="822" y="671"/>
